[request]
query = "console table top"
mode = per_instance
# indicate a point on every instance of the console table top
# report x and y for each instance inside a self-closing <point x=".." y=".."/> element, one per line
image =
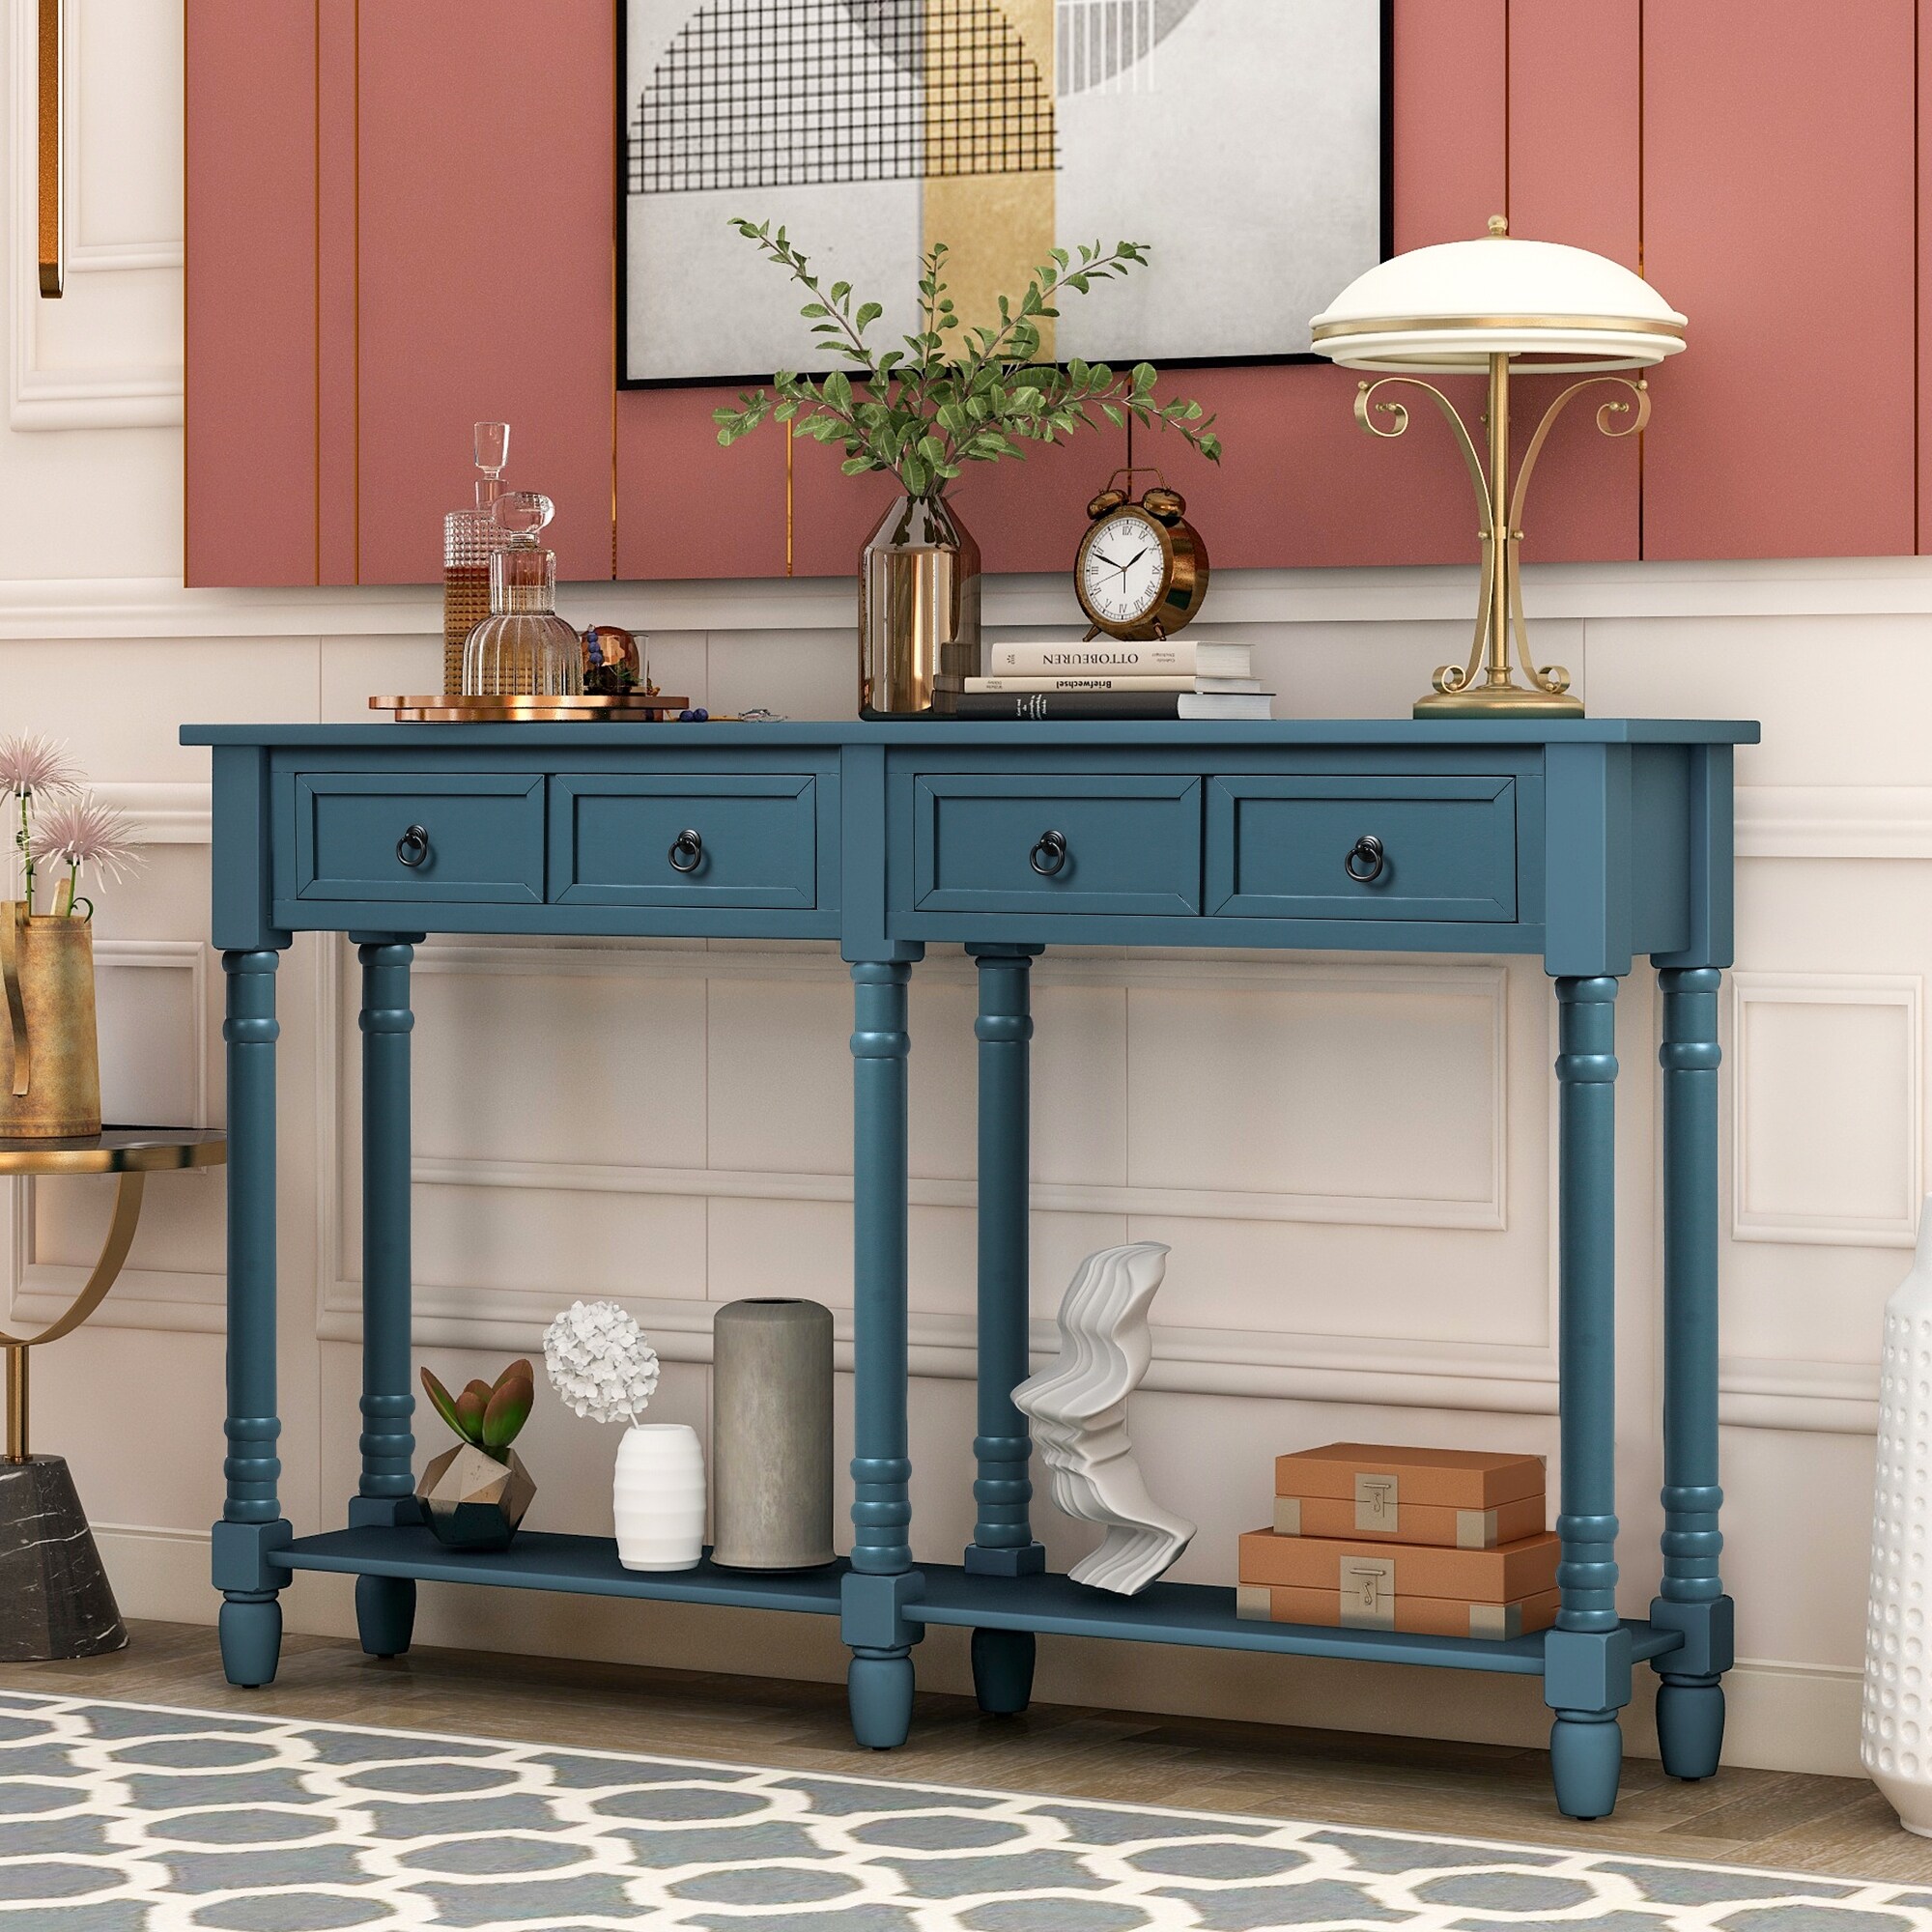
<point x="1397" y="733"/>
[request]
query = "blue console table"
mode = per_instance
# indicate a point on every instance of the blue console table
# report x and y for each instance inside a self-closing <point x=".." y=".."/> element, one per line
<point x="1587" y="842"/>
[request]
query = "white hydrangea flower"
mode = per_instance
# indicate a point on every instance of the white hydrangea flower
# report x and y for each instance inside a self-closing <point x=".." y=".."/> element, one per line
<point x="599" y="1362"/>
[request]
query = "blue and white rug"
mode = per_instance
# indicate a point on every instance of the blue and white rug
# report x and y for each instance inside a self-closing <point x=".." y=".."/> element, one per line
<point x="126" y="1818"/>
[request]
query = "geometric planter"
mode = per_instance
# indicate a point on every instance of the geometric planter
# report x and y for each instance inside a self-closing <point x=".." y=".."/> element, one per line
<point x="471" y="1501"/>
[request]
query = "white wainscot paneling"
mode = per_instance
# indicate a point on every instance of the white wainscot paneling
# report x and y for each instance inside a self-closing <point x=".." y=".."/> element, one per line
<point x="152" y="1003"/>
<point x="681" y="1133"/>
<point x="107" y="355"/>
<point x="1828" y="1092"/>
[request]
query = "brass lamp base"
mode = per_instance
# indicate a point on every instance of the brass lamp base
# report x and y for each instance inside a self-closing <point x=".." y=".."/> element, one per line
<point x="1500" y="700"/>
<point x="1485" y="686"/>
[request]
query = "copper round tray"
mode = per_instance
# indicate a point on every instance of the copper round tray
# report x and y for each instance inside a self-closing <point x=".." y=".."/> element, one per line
<point x="634" y="707"/>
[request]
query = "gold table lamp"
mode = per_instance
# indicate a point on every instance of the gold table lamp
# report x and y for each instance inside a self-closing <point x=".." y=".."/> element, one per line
<point x="1477" y="307"/>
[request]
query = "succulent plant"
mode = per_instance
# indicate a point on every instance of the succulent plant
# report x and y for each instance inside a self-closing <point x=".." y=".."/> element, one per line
<point x="488" y="1415"/>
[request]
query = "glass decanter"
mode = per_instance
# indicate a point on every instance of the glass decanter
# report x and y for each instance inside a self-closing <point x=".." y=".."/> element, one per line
<point x="471" y="537"/>
<point x="523" y="648"/>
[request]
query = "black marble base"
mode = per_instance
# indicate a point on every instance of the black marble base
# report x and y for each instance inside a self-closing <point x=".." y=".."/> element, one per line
<point x="55" y="1599"/>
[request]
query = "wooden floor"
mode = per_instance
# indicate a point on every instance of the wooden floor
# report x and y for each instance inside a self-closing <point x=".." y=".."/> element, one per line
<point x="1781" y="1819"/>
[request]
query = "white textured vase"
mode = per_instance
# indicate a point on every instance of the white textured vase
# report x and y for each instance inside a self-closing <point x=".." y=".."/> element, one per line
<point x="1079" y="1412"/>
<point x="658" y="1497"/>
<point x="1897" y="1727"/>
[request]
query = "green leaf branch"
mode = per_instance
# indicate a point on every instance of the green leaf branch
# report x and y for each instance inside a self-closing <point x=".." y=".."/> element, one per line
<point x="949" y="395"/>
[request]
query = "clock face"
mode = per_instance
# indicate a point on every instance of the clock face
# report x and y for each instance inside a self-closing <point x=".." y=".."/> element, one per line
<point x="1124" y="569"/>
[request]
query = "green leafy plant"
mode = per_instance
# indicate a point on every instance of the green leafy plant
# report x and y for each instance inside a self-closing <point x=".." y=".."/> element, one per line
<point x="953" y="395"/>
<point x="488" y="1415"/>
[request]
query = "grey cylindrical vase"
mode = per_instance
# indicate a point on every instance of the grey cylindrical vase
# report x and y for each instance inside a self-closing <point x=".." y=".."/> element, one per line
<point x="771" y="1435"/>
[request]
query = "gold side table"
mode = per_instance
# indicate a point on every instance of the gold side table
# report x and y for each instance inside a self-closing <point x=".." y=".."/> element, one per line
<point x="55" y="1599"/>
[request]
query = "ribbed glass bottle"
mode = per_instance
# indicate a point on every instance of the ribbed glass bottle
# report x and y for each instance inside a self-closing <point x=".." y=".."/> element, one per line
<point x="523" y="648"/>
<point x="470" y="538"/>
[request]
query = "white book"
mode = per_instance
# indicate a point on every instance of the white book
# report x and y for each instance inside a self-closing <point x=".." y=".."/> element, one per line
<point x="1154" y="657"/>
<point x="1229" y="684"/>
<point x="1082" y="681"/>
<point x="1229" y="704"/>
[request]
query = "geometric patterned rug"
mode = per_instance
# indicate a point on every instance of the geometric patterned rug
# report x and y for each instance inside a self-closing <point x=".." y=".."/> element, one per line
<point x="127" y="1818"/>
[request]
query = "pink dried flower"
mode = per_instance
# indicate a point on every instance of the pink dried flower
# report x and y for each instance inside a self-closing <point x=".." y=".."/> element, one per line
<point x="77" y="831"/>
<point x="30" y="762"/>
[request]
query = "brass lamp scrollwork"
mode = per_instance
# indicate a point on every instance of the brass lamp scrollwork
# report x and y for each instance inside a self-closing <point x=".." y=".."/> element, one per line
<point x="1466" y="307"/>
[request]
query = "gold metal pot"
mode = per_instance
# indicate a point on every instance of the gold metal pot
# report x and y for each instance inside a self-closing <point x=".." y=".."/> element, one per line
<point x="49" y="1054"/>
<point x="918" y="610"/>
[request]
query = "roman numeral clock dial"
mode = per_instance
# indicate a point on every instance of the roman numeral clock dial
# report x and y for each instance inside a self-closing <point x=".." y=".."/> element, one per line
<point x="1141" y="568"/>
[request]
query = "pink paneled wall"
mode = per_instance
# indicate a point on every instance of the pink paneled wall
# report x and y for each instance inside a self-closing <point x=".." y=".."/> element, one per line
<point x="1780" y="158"/>
<point x="250" y="473"/>
<point x="401" y="219"/>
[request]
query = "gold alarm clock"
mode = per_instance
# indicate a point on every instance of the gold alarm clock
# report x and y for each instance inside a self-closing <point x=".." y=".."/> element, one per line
<point x="1142" y="569"/>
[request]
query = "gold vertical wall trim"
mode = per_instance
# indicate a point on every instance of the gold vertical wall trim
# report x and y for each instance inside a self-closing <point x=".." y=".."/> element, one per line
<point x="356" y="334"/>
<point x="787" y="428"/>
<point x="1917" y="279"/>
<point x="1507" y="82"/>
<point x="48" y="57"/>
<point x="613" y="398"/>
<point x="1642" y="9"/>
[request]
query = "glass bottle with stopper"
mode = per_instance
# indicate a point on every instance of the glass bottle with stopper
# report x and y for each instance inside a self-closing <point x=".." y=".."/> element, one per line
<point x="471" y="537"/>
<point x="523" y="648"/>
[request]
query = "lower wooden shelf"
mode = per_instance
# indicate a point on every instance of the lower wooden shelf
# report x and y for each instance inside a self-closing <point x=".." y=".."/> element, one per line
<point x="1185" y="1613"/>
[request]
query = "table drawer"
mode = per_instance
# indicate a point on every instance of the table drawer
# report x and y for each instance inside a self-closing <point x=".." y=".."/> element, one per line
<point x="1038" y="842"/>
<point x="1445" y="848"/>
<point x="619" y="839"/>
<point x="421" y="839"/>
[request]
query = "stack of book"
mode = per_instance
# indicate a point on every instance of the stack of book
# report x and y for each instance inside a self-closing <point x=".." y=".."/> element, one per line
<point x="1113" y="680"/>
<point x="1437" y="1542"/>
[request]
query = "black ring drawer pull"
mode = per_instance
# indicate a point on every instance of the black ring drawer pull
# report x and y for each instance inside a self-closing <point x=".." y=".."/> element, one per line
<point x="1049" y="854"/>
<point x="1366" y="860"/>
<point x="412" y="847"/>
<point x="686" y="852"/>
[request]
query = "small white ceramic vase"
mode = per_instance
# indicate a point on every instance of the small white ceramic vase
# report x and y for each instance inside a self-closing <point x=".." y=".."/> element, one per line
<point x="658" y="1497"/>
<point x="1897" y="1727"/>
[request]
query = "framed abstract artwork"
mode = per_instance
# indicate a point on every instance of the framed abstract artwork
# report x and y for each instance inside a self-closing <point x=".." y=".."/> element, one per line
<point x="1245" y="141"/>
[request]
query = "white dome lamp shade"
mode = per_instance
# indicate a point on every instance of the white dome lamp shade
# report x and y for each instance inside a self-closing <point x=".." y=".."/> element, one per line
<point x="1474" y="309"/>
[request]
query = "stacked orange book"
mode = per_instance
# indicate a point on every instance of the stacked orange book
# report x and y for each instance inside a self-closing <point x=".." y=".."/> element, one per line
<point x="1437" y="1542"/>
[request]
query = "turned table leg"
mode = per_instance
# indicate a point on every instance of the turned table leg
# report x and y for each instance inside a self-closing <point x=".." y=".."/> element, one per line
<point x="385" y="1606"/>
<point x="252" y="1526"/>
<point x="1587" y="1656"/>
<point x="1690" y="1598"/>
<point x="881" y="1580"/>
<point x="1003" y="1541"/>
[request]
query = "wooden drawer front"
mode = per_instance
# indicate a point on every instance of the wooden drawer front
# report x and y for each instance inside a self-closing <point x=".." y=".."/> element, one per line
<point x="483" y="837"/>
<point x="1279" y="847"/>
<point x="1133" y="844"/>
<point x="611" y="837"/>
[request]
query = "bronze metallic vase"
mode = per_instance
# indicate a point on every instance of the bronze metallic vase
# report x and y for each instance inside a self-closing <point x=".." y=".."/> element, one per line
<point x="49" y="1057"/>
<point x="919" y="611"/>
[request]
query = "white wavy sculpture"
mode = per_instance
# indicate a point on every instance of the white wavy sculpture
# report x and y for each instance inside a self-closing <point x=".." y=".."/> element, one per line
<point x="1079" y="1411"/>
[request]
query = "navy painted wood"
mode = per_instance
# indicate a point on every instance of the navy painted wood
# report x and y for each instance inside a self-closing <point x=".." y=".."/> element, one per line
<point x="1195" y="1614"/>
<point x="418" y="837"/>
<point x="583" y="1566"/>
<point x="1003" y="1541"/>
<point x="1589" y="1643"/>
<point x="1584" y="840"/>
<point x="880" y="1681"/>
<point x="618" y="839"/>
<point x="1040" y="842"/>
<point x="1291" y="848"/>
<point x="385" y="1606"/>
<point x="252" y="1524"/>
<point x="1690" y="1598"/>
